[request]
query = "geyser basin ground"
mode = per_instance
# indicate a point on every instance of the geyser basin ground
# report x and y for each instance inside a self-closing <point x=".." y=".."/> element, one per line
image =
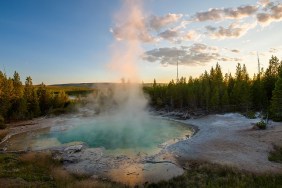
<point x="123" y="150"/>
<point x="225" y="139"/>
<point x="117" y="135"/>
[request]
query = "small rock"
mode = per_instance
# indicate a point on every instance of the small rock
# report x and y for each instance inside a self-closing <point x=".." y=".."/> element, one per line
<point x="70" y="159"/>
<point x="73" y="149"/>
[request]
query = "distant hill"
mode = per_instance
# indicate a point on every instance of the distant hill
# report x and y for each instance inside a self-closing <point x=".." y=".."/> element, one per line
<point x="84" y="85"/>
<point x="93" y="85"/>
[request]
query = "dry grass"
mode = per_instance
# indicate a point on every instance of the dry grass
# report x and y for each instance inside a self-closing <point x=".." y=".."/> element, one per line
<point x="205" y="174"/>
<point x="62" y="177"/>
<point x="18" y="182"/>
<point x="41" y="170"/>
<point x="40" y="159"/>
<point x="88" y="183"/>
<point x="3" y="133"/>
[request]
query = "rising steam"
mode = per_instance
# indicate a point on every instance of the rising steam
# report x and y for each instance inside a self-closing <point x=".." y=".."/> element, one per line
<point x="130" y="27"/>
<point x="122" y="107"/>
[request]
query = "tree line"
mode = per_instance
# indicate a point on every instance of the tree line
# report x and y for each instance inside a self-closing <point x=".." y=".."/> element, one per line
<point x="20" y="101"/>
<point x="215" y="92"/>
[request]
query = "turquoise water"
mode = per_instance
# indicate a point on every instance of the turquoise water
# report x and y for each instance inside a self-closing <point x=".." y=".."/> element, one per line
<point x="123" y="134"/>
<point x="116" y="135"/>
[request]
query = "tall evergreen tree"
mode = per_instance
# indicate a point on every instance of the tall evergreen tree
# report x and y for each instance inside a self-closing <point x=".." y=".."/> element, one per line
<point x="31" y="98"/>
<point x="276" y="101"/>
<point x="270" y="77"/>
<point x="45" y="98"/>
<point x="6" y="96"/>
<point x="18" y="109"/>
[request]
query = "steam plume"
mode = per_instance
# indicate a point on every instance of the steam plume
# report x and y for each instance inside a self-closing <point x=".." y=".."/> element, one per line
<point x="130" y="26"/>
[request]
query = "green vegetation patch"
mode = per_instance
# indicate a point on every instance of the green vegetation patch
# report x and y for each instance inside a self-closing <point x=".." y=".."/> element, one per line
<point x="12" y="167"/>
<point x="72" y="90"/>
<point x="276" y="154"/>
<point x="251" y="114"/>
<point x="261" y="124"/>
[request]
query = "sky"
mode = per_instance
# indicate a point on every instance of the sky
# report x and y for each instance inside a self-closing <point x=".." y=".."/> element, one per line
<point x="69" y="41"/>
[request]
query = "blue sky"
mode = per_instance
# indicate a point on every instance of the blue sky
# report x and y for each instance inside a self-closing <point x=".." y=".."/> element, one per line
<point x="69" y="41"/>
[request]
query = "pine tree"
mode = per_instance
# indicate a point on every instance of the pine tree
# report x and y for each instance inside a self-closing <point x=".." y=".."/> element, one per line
<point x="270" y="77"/>
<point x="225" y="101"/>
<point x="31" y="98"/>
<point x="18" y="109"/>
<point x="257" y="93"/>
<point x="215" y="99"/>
<point x="45" y="98"/>
<point x="60" y="100"/>
<point x="17" y="86"/>
<point x="206" y="90"/>
<point x="276" y="101"/>
<point x="6" y="96"/>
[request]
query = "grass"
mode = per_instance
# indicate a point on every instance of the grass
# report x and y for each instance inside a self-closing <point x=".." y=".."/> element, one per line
<point x="276" y="154"/>
<point x="41" y="170"/>
<point x="12" y="167"/>
<point x="203" y="174"/>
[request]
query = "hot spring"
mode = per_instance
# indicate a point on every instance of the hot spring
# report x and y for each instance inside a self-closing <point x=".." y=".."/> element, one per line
<point x="115" y="135"/>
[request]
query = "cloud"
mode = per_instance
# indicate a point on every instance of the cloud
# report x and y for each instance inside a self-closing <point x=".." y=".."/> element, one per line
<point x="273" y="50"/>
<point x="216" y="14"/>
<point x="172" y="27"/>
<point x="197" y="54"/>
<point x="191" y="35"/>
<point x="211" y="28"/>
<point x="235" y="51"/>
<point x="229" y="59"/>
<point x="158" y="22"/>
<point x="146" y="29"/>
<point x="246" y="41"/>
<point x="234" y="30"/>
<point x="263" y="18"/>
<point x="169" y="34"/>
<point x="133" y="30"/>
<point x="264" y="3"/>
<point x="255" y="53"/>
<point x="272" y="14"/>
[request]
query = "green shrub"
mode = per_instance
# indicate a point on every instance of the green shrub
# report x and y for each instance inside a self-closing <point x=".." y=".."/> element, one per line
<point x="2" y="123"/>
<point x="68" y="108"/>
<point x="251" y="115"/>
<point x="261" y="124"/>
